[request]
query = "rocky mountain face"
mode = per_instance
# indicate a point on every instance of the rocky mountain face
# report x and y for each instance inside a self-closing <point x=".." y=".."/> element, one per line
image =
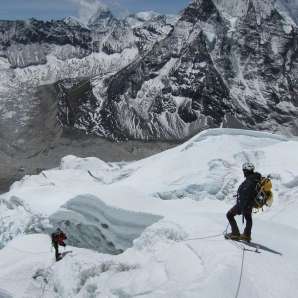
<point x="27" y="43"/>
<point x="225" y="63"/>
<point x="35" y="53"/>
<point x="150" y="77"/>
<point x="289" y="7"/>
<point x="34" y="56"/>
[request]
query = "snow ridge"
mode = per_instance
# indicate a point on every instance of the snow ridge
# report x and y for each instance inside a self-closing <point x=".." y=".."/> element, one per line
<point x="181" y="252"/>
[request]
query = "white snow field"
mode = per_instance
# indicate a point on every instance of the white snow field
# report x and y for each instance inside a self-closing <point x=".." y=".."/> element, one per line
<point x="166" y="213"/>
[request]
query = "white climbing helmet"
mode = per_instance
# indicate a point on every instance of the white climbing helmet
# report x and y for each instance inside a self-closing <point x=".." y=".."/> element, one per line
<point x="248" y="166"/>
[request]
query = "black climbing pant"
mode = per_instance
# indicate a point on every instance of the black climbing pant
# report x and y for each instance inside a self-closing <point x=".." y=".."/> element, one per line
<point x="57" y="255"/>
<point x="248" y="218"/>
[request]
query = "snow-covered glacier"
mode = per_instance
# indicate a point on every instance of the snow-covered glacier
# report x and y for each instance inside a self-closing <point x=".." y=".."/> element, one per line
<point x="166" y="213"/>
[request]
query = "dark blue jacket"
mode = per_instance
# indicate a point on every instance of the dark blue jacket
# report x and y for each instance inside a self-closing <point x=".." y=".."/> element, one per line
<point x="247" y="191"/>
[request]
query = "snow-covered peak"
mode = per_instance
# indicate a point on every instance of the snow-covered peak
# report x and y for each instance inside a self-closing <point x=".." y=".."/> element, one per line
<point x="73" y="21"/>
<point x="102" y="18"/>
<point x="240" y="7"/>
<point x="144" y="17"/>
<point x="289" y="9"/>
<point x="262" y="8"/>
<point x="138" y="19"/>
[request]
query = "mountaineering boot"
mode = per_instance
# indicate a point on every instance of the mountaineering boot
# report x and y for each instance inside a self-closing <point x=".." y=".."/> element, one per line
<point x="232" y="236"/>
<point x="245" y="237"/>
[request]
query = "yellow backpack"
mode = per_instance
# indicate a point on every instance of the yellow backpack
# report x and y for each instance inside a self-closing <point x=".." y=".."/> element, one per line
<point x="265" y="195"/>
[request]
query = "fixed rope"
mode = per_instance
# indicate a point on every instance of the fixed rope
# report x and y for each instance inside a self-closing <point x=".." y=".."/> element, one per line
<point x="208" y="236"/>
<point x="241" y="273"/>
<point x="244" y="250"/>
<point x="201" y="238"/>
<point x="236" y="244"/>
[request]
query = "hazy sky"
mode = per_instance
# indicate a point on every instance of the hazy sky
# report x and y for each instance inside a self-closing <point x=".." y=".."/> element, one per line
<point x="56" y="9"/>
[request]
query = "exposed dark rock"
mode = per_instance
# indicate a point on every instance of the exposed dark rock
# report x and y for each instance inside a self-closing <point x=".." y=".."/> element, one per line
<point x="210" y="68"/>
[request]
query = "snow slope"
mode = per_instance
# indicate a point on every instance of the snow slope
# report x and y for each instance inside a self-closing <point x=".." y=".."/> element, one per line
<point x="170" y="210"/>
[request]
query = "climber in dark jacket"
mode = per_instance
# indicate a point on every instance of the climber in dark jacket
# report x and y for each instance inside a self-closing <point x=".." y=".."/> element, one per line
<point x="246" y="194"/>
<point x="58" y="238"/>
